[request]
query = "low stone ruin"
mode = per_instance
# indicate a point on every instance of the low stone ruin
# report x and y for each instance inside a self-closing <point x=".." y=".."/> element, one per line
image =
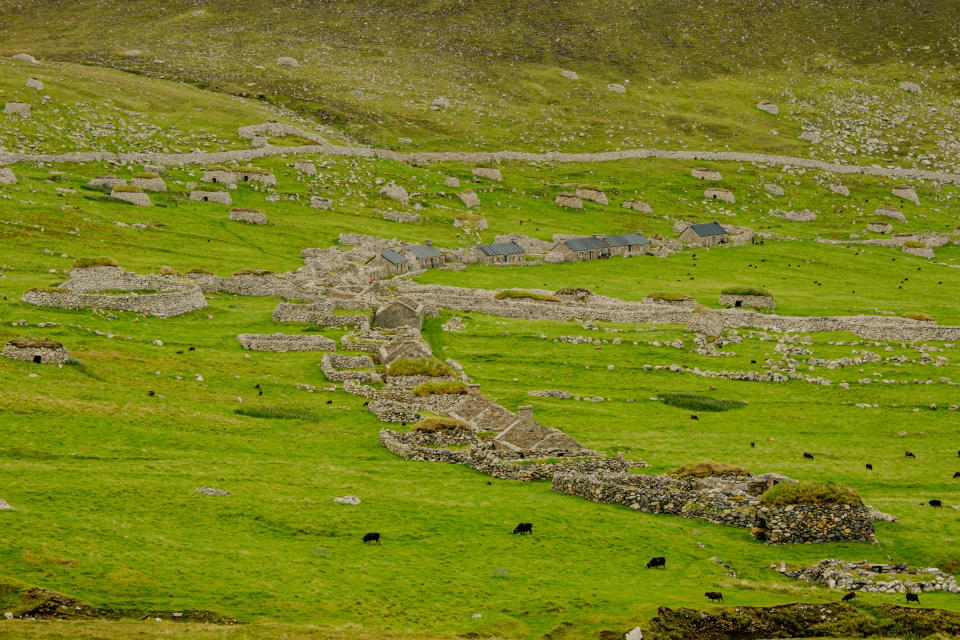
<point x="489" y="173"/>
<point x="339" y="368"/>
<point x="591" y="194"/>
<point x="872" y="578"/>
<point x="795" y="216"/>
<point x="20" y="109"/>
<point x="720" y="194"/>
<point x="162" y="297"/>
<point x="880" y="227"/>
<point x="395" y="192"/>
<point x="569" y="200"/>
<point x="907" y="193"/>
<point x="204" y="195"/>
<point x="637" y="205"/>
<point x="39" y="350"/>
<point x="706" y="173"/>
<point x="251" y="216"/>
<point x="768" y="107"/>
<point x="756" y="302"/>
<point x="283" y="342"/>
<point x="7" y="176"/>
<point x="469" y="198"/>
<point x="892" y="213"/>
<point x="839" y="189"/>
<point x="400" y="216"/>
<point x="130" y="194"/>
<point x="305" y="167"/>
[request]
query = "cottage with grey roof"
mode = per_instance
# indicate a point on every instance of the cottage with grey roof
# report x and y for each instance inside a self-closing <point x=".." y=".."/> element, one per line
<point x="626" y="244"/>
<point x="500" y="253"/>
<point x="705" y="234"/>
<point x="426" y="255"/>
<point x="389" y="262"/>
<point x="583" y="248"/>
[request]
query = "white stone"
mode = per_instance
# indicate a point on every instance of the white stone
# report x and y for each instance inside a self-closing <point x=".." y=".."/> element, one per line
<point x="21" y="109"/>
<point x="569" y="75"/>
<point x="773" y="189"/>
<point x="7" y="176"/>
<point x="4" y="505"/>
<point x="347" y="499"/>
<point x="768" y="107"/>
<point x="616" y="88"/>
<point x="452" y="182"/>
<point x="132" y="53"/>
<point x="33" y="83"/>
<point x="25" y="57"/>
<point x="441" y="103"/>
<point x="287" y="61"/>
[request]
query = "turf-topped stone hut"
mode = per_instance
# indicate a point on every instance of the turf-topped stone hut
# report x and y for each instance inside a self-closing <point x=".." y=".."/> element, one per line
<point x="880" y="227"/>
<point x="747" y="297"/>
<point x="6" y="176"/>
<point x="794" y="513"/>
<point x="906" y="192"/>
<point x="97" y="287"/>
<point x="220" y="175"/>
<point x="305" y="167"/>
<point x="255" y="174"/>
<point x="38" y="350"/>
<point x="282" y="342"/>
<point x="637" y="205"/>
<point x="593" y="194"/>
<point x="500" y="253"/>
<point x="569" y="201"/>
<point x="705" y="173"/>
<point x="106" y="181"/>
<point x="891" y="212"/>
<point x="211" y="194"/>
<point x="488" y="173"/>
<point x="20" y="109"/>
<point x="251" y="216"/>
<point x="704" y="234"/>
<point x="720" y="194"/>
<point x="469" y="198"/>
<point x="131" y="194"/>
<point x="918" y="249"/>
<point x="149" y="181"/>
<point x="389" y="262"/>
<point x="402" y="312"/>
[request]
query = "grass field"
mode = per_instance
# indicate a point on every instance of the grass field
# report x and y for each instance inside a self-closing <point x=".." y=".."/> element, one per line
<point x="102" y="473"/>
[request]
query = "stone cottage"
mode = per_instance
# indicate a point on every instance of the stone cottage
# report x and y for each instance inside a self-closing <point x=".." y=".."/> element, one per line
<point x="426" y="255"/>
<point x="211" y="195"/>
<point x="402" y="312"/>
<point x="705" y="234"/>
<point x="500" y="253"/>
<point x="626" y="244"/>
<point x="584" y="248"/>
<point x="389" y="262"/>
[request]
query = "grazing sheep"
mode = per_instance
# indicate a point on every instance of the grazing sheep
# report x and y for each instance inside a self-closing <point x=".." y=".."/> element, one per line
<point x="935" y="503"/>
<point x="523" y="527"/>
<point x="913" y="597"/>
<point x="808" y="456"/>
<point x="658" y="561"/>
<point x="371" y="537"/>
<point x="848" y="597"/>
<point x="909" y="454"/>
<point x="714" y="595"/>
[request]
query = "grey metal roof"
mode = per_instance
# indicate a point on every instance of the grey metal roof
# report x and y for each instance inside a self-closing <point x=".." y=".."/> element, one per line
<point x="708" y="229"/>
<point x="586" y="243"/>
<point x="627" y="240"/>
<point x="500" y="248"/>
<point x="424" y="251"/>
<point x="393" y="257"/>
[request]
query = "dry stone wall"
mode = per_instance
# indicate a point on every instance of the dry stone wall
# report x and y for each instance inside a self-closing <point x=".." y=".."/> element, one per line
<point x="283" y="342"/>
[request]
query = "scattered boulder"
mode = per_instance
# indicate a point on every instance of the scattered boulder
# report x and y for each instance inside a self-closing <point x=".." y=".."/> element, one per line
<point x="251" y="216"/>
<point x="569" y="200"/>
<point x="813" y="137"/>
<point x="287" y="61"/>
<point x="452" y="182"/>
<point x="33" y="83"/>
<point x="133" y="53"/>
<point x="316" y="202"/>
<point x="347" y="499"/>
<point x="774" y="189"/>
<point x="440" y="103"/>
<point x="720" y="194"/>
<point x="210" y="491"/>
<point x="395" y="192"/>
<point x="768" y="107"/>
<point x="470" y="198"/>
<point x="4" y="505"/>
<point x="21" y="109"/>
<point x="891" y="212"/>
<point x="616" y="88"/>
<point x="636" y="205"/>
<point x="7" y="176"/>
<point x="880" y="227"/>
<point x="490" y="173"/>
<point x="634" y="634"/>
<point x="569" y="75"/>
<point x="25" y="57"/>
<point x="911" y="87"/>
<point x="905" y="192"/>
<point x="306" y="167"/>
<point x="705" y="173"/>
<point x="592" y="194"/>
<point x="839" y="189"/>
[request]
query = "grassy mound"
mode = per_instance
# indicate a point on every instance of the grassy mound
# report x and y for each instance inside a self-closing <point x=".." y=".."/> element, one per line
<point x="98" y="261"/>
<point x="706" y="469"/>
<point x="26" y="342"/>
<point x="146" y="175"/>
<point x="439" y="423"/>
<point x="252" y="169"/>
<point x="915" y="315"/>
<point x="205" y="272"/>
<point x="914" y="244"/>
<point x="277" y="413"/>
<point x="420" y="367"/>
<point x="786" y="493"/>
<point x="745" y="291"/>
<point x="252" y="272"/>
<point x="440" y="387"/>
<point x="532" y="295"/>
<point x="127" y="188"/>
<point x="699" y="402"/>
<point x="209" y="187"/>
